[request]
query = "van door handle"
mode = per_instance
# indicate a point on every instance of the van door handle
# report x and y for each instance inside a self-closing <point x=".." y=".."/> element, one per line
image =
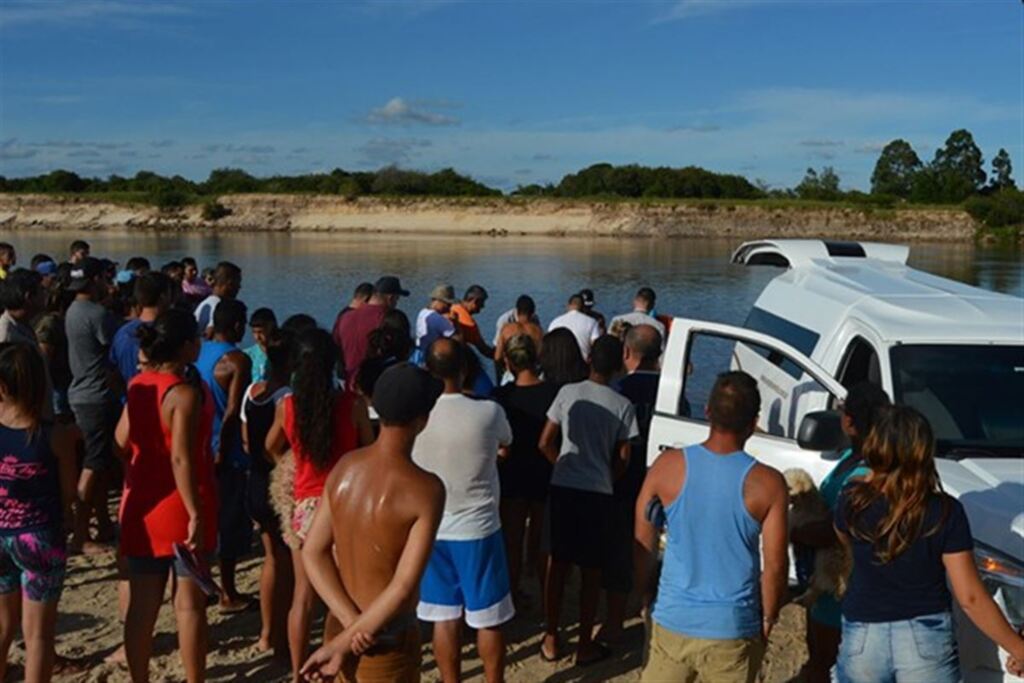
<point x="666" y="447"/>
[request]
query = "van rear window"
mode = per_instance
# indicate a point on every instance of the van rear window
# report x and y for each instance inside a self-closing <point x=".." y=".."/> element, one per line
<point x="800" y="338"/>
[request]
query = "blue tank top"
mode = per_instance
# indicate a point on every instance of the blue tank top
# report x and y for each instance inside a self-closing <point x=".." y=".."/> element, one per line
<point x="209" y="355"/>
<point x="710" y="583"/>
<point x="29" y="484"/>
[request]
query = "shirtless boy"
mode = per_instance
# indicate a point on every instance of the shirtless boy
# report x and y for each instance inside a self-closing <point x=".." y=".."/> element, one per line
<point x="525" y="323"/>
<point x="381" y="512"/>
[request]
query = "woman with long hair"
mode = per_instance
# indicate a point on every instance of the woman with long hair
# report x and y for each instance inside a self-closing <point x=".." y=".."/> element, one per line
<point x="170" y="494"/>
<point x="37" y="487"/>
<point x="525" y="473"/>
<point x="319" y="422"/>
<point x="560" y="358"/>
<point x="861" y="408"/>
<point x="908" y="540"/>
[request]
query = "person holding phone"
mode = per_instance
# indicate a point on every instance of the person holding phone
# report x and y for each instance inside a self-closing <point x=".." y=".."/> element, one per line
<point x="170" y="493"/>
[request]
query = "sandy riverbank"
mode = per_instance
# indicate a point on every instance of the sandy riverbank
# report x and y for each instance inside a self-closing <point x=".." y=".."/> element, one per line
<point x="88" y="630"/>
<point x="499" y="217"/>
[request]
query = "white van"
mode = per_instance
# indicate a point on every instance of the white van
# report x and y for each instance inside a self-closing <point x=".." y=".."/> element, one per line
<point x="846" y="312"/>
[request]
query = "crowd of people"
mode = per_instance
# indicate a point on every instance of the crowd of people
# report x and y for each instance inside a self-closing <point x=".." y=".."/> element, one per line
<point x="403" y="471"/>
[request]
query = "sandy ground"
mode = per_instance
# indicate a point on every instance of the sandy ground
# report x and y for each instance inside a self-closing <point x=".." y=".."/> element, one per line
<point x="88" y="630"/>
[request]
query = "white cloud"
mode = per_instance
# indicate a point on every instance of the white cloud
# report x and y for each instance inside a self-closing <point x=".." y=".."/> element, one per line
<point x="687" y="9"/>
<point x="14" y="12"/>
<point x="400" y="111"/>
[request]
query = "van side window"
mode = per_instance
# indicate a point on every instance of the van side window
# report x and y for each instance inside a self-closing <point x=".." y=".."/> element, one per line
<point x="800" y="338"/>
<point x="785" y="396"/>
<point x="860" y="364"/>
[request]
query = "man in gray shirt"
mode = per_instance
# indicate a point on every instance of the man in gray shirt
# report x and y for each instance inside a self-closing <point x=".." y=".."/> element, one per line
<point x="596" y="424"/>
<point x="90" y="329"/>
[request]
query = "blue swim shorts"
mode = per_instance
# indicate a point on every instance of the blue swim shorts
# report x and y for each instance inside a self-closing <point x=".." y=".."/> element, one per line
<point x="470" y="577"/>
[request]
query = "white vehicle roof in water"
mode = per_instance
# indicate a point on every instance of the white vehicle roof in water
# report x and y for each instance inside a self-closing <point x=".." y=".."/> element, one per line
<point x="829" y="282"/>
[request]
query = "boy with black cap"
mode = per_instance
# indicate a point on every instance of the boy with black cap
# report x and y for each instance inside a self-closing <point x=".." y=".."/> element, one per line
<point x="377" y="493"/>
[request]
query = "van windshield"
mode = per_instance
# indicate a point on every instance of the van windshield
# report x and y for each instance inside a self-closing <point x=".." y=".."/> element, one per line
<point x="972" y="395"/>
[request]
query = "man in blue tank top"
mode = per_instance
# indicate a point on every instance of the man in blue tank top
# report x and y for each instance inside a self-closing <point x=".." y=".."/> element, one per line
<point x="228" y="371"/>
<point x="715" y="605"/>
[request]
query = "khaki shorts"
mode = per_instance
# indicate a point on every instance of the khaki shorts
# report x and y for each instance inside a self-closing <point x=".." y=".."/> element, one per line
<point x="681" y="659"/>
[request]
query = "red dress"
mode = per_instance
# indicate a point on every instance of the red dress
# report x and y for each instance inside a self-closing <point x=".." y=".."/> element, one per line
<point x="310" y="480"/>
<point x="153" y="516"/>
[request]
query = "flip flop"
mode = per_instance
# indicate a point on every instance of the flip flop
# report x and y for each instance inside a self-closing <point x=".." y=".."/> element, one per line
<point x="605" y="653"/>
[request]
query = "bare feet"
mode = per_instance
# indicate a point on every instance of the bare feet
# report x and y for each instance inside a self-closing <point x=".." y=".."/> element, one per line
<point x="549" y="649"/>
<point x="263" y="645"/>
<point x="118" y="656"/>
<point x="233" y="605"/>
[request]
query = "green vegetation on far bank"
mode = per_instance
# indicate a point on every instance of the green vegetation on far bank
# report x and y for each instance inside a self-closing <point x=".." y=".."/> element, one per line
<point x="954" y="180"/>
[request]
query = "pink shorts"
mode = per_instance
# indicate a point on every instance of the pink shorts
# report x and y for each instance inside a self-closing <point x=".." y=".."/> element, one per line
<point x="302" y="516"/>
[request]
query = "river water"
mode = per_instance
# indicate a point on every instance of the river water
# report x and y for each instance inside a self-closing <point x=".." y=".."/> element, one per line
<point x="315" y="274"/>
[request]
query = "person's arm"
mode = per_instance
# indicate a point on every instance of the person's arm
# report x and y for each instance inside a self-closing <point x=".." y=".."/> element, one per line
<point x="62" y="442"/>
<point x="245" y="425"/>
<point x="121" y="434"/>
<point x="645" y="534"/>
<point x="277" y="442"/>
<point x="235" y="374"/>
<point x="620" y="461"/>
<point x="549" y="440"/>
<point x="399" y="591"/>
<point x="499" y="350"/>
<point x="775" y="549"/>
<point x="361" y="420"/>
<point x="181" y="410"/>
<point x="978" y="605"/>
<point x="318" y="559"/>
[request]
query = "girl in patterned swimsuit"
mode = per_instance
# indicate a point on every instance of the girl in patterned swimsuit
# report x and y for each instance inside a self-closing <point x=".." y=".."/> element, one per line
<point x="37" y="485"/>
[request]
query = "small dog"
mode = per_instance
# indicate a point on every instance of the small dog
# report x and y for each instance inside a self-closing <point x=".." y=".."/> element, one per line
<point x="832" y="565"/>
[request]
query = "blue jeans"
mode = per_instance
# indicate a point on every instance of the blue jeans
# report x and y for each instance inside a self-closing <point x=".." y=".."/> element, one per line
<point x="918" y="650"/>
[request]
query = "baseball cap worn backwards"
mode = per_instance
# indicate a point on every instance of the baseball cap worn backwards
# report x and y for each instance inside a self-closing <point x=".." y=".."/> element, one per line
<point x="445" y="293"/>
<point x="405" y="392"/>
<point x="83" y="273"/>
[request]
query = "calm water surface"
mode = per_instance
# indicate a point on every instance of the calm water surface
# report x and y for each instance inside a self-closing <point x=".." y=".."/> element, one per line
<point x="315" y="274"/>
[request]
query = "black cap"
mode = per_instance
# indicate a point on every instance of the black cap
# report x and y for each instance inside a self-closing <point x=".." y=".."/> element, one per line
<point x="389" y="284"/>
<point x="405" y="392"/>
<point x="588" y="297"/>
<point x="83" y="273"/>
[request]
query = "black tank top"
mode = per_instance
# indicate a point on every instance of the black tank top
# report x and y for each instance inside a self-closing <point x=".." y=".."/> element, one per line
<point x="29" y="485"/>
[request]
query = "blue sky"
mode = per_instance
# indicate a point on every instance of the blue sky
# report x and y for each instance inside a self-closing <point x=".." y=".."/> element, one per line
<point x="509" y="91"/>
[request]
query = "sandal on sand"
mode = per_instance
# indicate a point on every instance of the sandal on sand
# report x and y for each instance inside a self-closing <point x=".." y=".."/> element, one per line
<point x="604" y="652"/>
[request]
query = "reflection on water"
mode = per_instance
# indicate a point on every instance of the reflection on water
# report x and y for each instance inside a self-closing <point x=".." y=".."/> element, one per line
<point x="316" y="273"/>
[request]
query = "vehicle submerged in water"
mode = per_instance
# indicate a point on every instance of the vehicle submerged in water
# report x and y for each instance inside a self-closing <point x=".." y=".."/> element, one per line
<point x="846" y="312"/>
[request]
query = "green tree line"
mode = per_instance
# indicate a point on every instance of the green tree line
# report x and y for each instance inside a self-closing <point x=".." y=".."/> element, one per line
<point x="956" y="175"/>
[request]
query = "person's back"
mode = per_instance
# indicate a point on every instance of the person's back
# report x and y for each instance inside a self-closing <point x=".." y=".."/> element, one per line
<point x="465" y="458"/>
<point x="90" y="331"/>
<point x="715" y="605"/>
<point x="594" y="418"/>
<point x="707" y="594"/>
<point x="585" y="328"/>
<point x="377" y="493"/>
<point x="354" y="333"/>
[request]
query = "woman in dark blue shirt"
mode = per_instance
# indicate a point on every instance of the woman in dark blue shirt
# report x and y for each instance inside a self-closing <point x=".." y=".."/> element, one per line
<point x="907" y="538"/>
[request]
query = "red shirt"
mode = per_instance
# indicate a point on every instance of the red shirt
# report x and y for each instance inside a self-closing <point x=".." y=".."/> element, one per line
<point x="353" y="331"/>
<point x="309" y="479"/>
<point x="153" y="516"/>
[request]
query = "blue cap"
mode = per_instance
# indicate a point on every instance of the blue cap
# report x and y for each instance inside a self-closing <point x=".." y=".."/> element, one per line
<point x="46" y="268"/>
<point x="124" y="277"/>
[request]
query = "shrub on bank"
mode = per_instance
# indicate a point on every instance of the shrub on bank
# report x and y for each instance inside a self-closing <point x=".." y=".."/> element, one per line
<point x="214" y="210"/>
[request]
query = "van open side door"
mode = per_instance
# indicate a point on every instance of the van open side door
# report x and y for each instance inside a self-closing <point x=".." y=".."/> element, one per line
<point x="790" y="384"/>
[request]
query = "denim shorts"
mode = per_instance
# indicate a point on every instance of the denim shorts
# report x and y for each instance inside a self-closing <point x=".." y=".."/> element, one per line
<point x="922" y="649"/>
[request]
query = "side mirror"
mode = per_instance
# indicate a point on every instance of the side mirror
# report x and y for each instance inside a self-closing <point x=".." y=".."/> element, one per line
<point x="821" y="430"/>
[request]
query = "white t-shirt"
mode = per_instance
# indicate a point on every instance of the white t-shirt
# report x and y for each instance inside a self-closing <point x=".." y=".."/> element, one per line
<point x="637" y="318"/>
<point x="584" y="328"/>
<point x="204" y="312"/>
<point x="460" y="445"/>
